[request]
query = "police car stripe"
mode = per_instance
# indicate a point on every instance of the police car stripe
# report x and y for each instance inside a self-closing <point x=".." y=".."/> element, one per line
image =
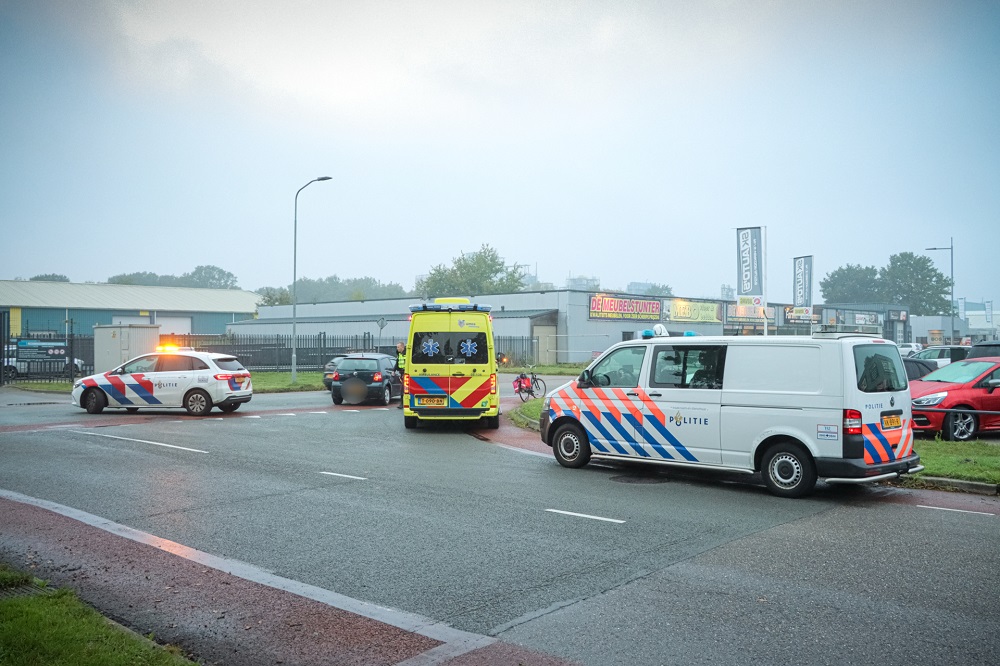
<point x="880" y="443"/>
<point x="143" y="393"/>
<point x="598" y="426"/>
<point x="651" y="441"/>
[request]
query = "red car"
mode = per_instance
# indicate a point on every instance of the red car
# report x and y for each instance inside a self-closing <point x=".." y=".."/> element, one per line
<point x="972" y="385"/>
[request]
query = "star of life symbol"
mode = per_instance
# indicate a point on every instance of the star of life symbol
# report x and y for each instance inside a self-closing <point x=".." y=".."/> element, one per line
<point x="430" y="348"/>
<point x="468" y="347"/>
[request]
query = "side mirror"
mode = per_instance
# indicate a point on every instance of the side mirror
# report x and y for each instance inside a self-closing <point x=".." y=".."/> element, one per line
<point x="584" y="380"/>
<point x="992" y="384"/>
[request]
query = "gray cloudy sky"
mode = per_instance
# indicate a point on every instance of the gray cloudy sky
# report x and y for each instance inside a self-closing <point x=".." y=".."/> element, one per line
<point x="620" y="140"/>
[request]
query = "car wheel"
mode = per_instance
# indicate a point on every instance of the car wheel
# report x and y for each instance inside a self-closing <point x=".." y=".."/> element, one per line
<point x="94" y="401"/>
<point x="10" y="373"/>
<point x="197" y="403"/>
<point x="386" y="395"/>
<point x="493" y="422"/>
<point x="409" y="422"/>
<point x="570" y="446"/>
<point x="230" y="408"/>
<point x="131" y="410"/>
<point x="960" y="426"/>
<point x="788" y="470"/>
<point x="337" y="398"/>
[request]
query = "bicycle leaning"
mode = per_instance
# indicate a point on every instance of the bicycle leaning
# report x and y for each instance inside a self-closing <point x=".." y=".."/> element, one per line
<point x="527" y="386"/>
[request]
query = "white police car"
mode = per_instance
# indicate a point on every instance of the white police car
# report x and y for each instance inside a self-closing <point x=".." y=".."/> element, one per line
<point x="193" y="380"/>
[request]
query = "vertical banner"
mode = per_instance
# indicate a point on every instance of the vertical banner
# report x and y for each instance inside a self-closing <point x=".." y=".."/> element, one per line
<point x="961" y="308"/>
<point x="988" y="306"/>
<point x="802" y="281"/>
<point x="750" y="265"/>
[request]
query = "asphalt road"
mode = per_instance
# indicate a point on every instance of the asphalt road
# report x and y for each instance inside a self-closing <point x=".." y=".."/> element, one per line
<point x="482" y="531"/>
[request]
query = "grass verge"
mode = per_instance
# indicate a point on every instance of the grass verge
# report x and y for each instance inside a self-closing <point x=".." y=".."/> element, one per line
<point x="966" y="461"/>
<point x="58" y="629"/>
<point x="526" y="415"/>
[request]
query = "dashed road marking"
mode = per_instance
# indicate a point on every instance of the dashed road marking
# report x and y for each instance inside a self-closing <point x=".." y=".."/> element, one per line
<point x="141" y="441"/>
<point x="941" y="508"/>
<point x="346" y="476"/>
<point x="584" y="515"/>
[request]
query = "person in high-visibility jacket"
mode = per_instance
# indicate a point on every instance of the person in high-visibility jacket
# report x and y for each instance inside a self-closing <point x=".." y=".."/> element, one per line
<point x="401" y="365"/>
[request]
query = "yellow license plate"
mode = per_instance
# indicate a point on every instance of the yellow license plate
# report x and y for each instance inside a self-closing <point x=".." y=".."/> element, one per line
<point x="892" y="421"/>
<point x="432" y="402"/>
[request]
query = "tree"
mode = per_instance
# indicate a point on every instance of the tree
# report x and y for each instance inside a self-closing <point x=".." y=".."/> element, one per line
<point x="142" y="278"/>
<point x="482" y="272"/>
<point x="659" y="290"/>
<point x="851" y="284"/>
<point x="209" y="277"/>
<point x="49" y="277"/>
<point x="914" y="281"/>
<point x="274" y="296"/>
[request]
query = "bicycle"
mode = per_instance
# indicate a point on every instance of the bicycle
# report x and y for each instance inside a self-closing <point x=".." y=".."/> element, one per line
<point x="529" y="387"/>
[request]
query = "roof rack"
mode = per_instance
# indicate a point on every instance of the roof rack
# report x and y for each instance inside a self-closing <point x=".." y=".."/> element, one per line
<point x="450" y="307"/>
<point x="840" y="330"/>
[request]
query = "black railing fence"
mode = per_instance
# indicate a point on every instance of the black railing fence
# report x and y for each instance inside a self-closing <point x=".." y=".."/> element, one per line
<point x="259" y="353"/>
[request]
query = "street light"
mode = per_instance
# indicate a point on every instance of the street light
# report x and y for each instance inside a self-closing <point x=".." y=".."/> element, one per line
<point x="951" y="306"/>
<point x="295" y="277"/>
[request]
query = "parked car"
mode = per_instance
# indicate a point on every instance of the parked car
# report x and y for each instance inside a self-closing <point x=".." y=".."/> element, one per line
<point x="328" y="369"/>
<point x="192" y="380"/>
<point x="980" y="349"/>
<point x="943" y="355"/>
<point x="971" y="386"/>
<point x="909" y="348"/>
<point x="361" y="377"/>
<point x="918" y="367"/>
<point x="13" y="368"/>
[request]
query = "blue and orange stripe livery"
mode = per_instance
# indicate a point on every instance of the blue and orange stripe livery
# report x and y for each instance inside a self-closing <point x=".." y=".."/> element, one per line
<point x="882" y="446"/>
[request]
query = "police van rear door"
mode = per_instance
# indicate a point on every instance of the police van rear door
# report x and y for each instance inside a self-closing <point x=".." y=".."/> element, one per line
<point x="881" y="400"/>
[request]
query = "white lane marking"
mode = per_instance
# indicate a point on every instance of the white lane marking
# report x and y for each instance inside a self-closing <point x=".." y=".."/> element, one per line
<point x="455" y="641"/>
<point x="317" y="412"/>
<point x="583" y="515"/>
<point x="346" y="476"/>
<point x="289" y="414"/>
<point x="251" y="416"/>
<point x="941" y="508"/>
<point x="380" y="409"/>
<point x="141" y="441"/>
<point x="353" y="411"/>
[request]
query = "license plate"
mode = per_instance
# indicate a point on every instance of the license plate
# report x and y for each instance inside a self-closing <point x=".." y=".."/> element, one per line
<point x="895" y="421"/>
<point x="432" y="402"/>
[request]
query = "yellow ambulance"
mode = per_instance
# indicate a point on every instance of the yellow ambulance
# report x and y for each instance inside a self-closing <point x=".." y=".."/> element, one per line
<point x="451" y="368"/>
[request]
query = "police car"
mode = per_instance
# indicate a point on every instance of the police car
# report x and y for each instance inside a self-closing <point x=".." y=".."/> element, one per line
<point x="193" y="380"/>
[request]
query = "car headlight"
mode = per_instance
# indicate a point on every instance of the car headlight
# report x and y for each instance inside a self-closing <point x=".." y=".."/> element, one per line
<point x="545" y="404"/>
<point x="930" y="399"/>
<point x="78" y="383"/>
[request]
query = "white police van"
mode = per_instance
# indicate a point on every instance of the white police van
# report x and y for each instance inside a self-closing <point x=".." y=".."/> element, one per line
<point x="834" y="405"/>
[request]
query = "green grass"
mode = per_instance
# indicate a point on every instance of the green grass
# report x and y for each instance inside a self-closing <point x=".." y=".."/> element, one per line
<point x="60" y="630"/>
<point x="11" y="578"/>
<point x="281" y="382"/>
<point x="967" y="461"/>
<point x="528" y="412"/>
<point x="565" y="369"/>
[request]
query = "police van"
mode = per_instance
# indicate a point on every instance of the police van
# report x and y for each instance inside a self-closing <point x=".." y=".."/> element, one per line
<point x="834" y="405"/>
<point x="451" y="368"/>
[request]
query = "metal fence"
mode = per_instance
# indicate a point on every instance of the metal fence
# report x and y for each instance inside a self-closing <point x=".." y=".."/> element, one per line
<point x="260" y="353"/>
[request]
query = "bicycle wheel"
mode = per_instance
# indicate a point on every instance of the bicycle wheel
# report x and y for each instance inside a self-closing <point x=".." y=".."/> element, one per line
<point x="538" y="386"/>
<point x="524" y="394"/>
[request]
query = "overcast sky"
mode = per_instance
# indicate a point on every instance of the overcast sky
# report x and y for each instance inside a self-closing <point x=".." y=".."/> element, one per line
<point x="619" y="140"/>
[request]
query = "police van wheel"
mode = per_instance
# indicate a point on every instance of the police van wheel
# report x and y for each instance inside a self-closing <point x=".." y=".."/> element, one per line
<point x="570" y="446"/>
<point x="788" y="471"/>
<point x="94" y="401"/>
<point x="409" y="422"/>
<point x="492" y="422"/>
<point x="197" y="403"/>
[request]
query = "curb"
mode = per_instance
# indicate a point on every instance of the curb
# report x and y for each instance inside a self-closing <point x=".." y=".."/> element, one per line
<point x="976" y="487"/>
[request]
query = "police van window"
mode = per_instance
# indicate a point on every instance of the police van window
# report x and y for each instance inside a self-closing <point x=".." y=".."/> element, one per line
<point x="879" y="368"/>
<point x="688" y="367"/>
<point x="449" y="347"/>
<point x="619" y="369"/>
<point x="230" y="363"/>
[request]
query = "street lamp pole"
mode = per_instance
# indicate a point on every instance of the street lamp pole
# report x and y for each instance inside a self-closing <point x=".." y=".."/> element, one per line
<point x="295" y="277"/>
<point x="951" y="306"/>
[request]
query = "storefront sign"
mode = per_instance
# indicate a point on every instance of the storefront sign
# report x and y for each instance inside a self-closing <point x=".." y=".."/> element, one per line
<point x="709" y="313"/>
<point x="935" y="337"/>
<point x="40" y="350"/>
<point x="743" y="314"/>
<point x="793" y="317"/>
<point x="603" y="306"/>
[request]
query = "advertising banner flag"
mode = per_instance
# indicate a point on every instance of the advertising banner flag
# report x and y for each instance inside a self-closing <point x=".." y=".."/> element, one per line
<point x="961" y="308"/>
<point x="988" y="306"/>
<point x="802" y="293"/>
<point x="750" y="266"/>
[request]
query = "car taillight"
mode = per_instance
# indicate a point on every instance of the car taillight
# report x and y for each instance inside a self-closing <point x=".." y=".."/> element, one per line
<point x="852" y="422"/>
<point x="377" y="377"/>
<point x="336" y="376"/>
<point x="223" y="378"/>
<point x="406" y="383"/>
<point x="493" y="383"/>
